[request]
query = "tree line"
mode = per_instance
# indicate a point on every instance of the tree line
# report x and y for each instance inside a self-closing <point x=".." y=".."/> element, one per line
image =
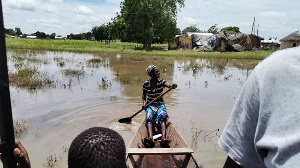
<point x="17" y="32"/>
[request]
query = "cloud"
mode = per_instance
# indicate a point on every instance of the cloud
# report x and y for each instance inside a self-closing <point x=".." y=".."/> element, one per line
<point x="83" y="10"/>
<point x="49" y="8"/>
<point x="27" y="5"/>
<point x="271" y="14"/>
<point x="43" y="21"/>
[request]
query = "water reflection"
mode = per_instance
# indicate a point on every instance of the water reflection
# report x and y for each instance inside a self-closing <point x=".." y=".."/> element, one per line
<point x="96" y="90"/>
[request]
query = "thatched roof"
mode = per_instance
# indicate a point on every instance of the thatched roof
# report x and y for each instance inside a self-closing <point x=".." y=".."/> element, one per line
<point x="292" y="37"/>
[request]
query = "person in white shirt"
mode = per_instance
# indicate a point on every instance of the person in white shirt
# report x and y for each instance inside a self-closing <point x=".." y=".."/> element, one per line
<point x="263" y="129"/>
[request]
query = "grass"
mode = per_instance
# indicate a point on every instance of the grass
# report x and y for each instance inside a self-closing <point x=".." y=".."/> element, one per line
<point x="94" y="61"/>
<point x="124" y="48"/>
<point x="30" y="79"/>
<point x="73" y="73"/>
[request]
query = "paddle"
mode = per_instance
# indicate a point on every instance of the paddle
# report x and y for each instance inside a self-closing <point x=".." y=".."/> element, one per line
<point x="7" y="138"/>
<point x="128" y="119"/>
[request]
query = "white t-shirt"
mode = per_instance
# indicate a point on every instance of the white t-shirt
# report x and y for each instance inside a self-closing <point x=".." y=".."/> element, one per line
<point x="263" y="129"/>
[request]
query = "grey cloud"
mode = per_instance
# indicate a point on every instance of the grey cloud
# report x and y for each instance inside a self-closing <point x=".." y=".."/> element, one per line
<point x="26" y="5"/>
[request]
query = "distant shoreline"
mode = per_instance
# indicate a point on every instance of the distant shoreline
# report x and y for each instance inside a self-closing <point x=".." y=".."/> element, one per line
<point x="124" y="48"/>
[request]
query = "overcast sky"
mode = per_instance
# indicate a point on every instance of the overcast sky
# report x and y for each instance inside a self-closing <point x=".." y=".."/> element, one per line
<point x="276" y="18"/>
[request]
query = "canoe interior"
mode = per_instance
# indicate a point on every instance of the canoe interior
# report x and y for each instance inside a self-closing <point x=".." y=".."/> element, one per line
<point x="178" y="155"/>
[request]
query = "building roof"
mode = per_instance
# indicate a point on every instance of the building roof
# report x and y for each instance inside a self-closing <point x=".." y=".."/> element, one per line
<point x="189" y="34"/>
<point x="292" y="37"/>
<point x="270" y="41"/>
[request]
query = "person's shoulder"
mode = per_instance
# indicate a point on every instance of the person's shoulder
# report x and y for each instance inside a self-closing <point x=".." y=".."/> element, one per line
<point x="281" y="58"/>
<point x="285" y="54"/>
<point x="161" y="80"/>
<point x="147" y="82"/>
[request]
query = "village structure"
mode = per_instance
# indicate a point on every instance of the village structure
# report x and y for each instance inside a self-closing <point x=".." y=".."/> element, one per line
<point x="205" y="42"/>
<point x="292" y="40"/>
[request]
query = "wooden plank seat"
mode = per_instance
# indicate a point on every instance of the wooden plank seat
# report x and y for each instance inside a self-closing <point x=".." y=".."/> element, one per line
<point x="159" y="151"/>
<point x="168" y="152"/>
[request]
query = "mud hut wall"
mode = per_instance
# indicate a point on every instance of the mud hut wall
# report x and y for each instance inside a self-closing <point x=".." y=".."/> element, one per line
<point x="289" y="44"/>
<point x="255" y="41"/>
<point x="184" y="42"/>
<point x="172" y="45"/>
<point x="223" y="45"/>
<point x="244" y="41"/>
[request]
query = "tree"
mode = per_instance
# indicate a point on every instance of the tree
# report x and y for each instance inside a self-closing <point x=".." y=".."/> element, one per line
<point x="18" y="31"/>
<point x="193" y="28"/>
<point x="10" y="32"/>
<point x="40" y="34"/>
<point x="142" y="19"/>
<point x="52" y="35"/>
<point x="213" y="29"/>
<point x="100" y="32"/>
<point x="165" y="30"/>
<point x="231" y="30"/>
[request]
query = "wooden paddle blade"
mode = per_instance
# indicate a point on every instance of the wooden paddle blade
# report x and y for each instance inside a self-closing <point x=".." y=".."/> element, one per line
<point x="125" y="120"/>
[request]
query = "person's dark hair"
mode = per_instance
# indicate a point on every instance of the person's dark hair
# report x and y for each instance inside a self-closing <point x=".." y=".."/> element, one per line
<point x="97" y="147"/>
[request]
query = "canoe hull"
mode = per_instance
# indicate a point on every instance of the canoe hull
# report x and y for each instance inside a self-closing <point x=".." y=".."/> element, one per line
<point x="178" y="155"/>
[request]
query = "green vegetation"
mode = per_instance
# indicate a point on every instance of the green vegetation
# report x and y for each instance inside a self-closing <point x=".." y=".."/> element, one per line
<point x="95" y="60"/>
<point x="30" y="79"/>
<point x="73" y="73"/>
<point x="124" y="48"/>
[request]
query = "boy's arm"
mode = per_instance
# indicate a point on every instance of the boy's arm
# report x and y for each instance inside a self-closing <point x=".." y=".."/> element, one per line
<point x="174" y="86"/>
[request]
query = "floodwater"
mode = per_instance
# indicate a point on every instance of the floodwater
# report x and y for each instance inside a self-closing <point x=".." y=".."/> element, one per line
<point x="109" y="87"/>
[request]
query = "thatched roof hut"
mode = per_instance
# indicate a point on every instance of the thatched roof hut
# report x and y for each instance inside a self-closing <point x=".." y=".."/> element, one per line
<point x="292" y="40"/>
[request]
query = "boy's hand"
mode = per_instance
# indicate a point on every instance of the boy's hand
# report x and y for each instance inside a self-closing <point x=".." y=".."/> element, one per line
<point x="174" y="86"/>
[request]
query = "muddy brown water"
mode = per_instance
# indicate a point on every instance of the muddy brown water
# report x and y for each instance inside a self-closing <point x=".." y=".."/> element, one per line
<point x="110" y="88"/>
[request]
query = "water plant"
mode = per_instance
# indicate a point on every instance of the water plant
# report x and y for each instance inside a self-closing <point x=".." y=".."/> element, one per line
<point x="53" y="160"/>
<point x="73" y="72"/>
<point x="20" y="128"/>
<point x="105" y="84"/>
<point x="30" y="79"/>
<point x="205" y="135"/>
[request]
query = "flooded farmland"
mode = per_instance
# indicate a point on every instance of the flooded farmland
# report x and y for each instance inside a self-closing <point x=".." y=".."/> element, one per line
<point x="56" y="95"/>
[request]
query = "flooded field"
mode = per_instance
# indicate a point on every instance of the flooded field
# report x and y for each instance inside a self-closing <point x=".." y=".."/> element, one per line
<point x="56" y="95"/>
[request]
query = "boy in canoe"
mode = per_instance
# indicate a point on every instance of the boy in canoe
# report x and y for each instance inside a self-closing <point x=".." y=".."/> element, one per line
<point x="156" y="112"/>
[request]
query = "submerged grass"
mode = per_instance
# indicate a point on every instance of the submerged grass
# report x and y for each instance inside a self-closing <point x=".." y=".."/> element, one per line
<point x="124" y="48"/>
<point x="20" y="128"/>
<point x="29" y="78"/>
<point x="73" y="73"/>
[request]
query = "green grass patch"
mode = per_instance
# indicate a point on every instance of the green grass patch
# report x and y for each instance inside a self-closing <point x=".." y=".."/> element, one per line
<point x="124" y="48"/>
<point x="73" y="73"/>
<point x="94" y="61"/>
<point x="30" y="79"/>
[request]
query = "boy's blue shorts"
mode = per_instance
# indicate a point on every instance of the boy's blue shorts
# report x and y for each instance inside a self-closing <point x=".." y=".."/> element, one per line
<point x="158" y="112"/>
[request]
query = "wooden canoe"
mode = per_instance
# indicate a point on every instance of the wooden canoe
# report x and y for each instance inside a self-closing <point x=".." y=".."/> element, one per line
<point x="178" y="155"/>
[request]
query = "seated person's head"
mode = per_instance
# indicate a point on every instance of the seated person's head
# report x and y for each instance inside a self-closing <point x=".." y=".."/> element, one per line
<point x="153" y="71"/>
<point x="97" y="147"/>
